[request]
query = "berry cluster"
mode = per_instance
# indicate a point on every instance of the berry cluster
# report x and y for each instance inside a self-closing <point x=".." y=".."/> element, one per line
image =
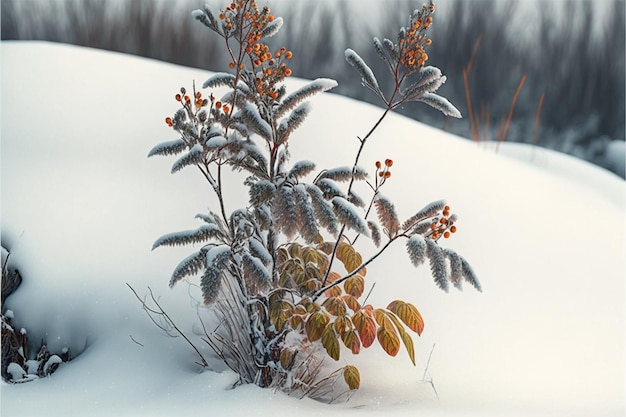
<point x="443" y="226"/>
<point x="269" y="68"/>
<point x="186" y="101"/>
<point x="412" y="45"/>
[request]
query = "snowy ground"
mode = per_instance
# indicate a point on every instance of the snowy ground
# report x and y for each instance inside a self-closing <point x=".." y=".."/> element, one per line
<point x="82" y="205"/>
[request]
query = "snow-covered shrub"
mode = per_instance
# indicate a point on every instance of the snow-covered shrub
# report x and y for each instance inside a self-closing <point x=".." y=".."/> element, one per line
<point x="17" y="363"/>
<point x="283" y="274"/>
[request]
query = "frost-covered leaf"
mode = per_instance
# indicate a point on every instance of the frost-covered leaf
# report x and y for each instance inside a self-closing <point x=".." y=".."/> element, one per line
<point x="301" y="169"/>
<point x="416" y="247"/>
<point x="292" y="100"/>
<point x="352" y="377"/>
<point x="219" y="79"/>
<point x="380" y="50"/>
<point x="193" y="157"/>
<point x="207" y="18"/>
<point x="187" y="237"/>
<point x="305" y="214"/>
<point x="210" y="284"/>
<point x="347" y="214"/>
<point x="468" y="274"/>
<point x="272" y="28"/>
<point x="440" y="103"/>
<point x="284" y="211"/>
<point x="366" y="72"/>
<point x="258" y="250"/>
<point x="456" y="267"/>
<point x="189" y="266"/>
<point x="437" y="264"/>
<point x="254" y="269"/>
<point x="387" y="215"/>
<point x="344" y="173"/>
<point x="430" y="80"/>
<point x="287" y="126"/>
<point x="329" y="188"/>
<point x="216" y="142"/>
<point x="172" y="147"/>
<point x="323" y="210"/>
<point x="260" y="192"/>
<point x="428" y="211"/>
<point x="355" y="199"/>
<point x="375" y="232"/>
<point x="253" y="119"/>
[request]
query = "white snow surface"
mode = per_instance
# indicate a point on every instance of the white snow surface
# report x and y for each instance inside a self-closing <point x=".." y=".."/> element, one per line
<point x="82" y="206"/>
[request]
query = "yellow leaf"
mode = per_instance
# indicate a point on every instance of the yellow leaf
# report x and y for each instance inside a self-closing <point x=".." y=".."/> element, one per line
<point x="352" y="377"/>
<point x="388" y="339"/>
<point x="409" y="315"/>
<point x="351" y="340"/>
<point x="351" y="302"/>
<point x="406" y="338"/>
<point x="355" y="285"/>
<point x="330" y="343"/>
<point x="335" y="306"/>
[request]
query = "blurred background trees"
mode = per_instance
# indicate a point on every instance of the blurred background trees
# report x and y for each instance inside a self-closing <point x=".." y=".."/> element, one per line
<point x="572" y="52"/>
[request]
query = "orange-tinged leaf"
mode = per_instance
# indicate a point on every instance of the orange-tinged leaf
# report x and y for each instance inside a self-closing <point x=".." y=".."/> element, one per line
<point x="352" y="303"/>
<point x="342" y="325"/>
<point x="352" y="377"/>
<point x="335" y="306"/>
<point x="280" y="311"/>
<point x="366" y="326"/>
<point x="330" y="342"/>
<point x="409" y="315"/>
<point x="315" y="325"/>
<point x="333" y="291"/>
<point x="286" y="358"/>
<point x="388" y="339"/>
<point x="355" y="285"/>
<point x="351" y="340"/>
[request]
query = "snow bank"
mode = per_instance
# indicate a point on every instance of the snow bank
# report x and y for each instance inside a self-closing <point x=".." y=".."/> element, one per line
<point x="82" y="206"/>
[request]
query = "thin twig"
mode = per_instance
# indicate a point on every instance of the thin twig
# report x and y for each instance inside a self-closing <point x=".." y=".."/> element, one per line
<point x="133" y="339"/>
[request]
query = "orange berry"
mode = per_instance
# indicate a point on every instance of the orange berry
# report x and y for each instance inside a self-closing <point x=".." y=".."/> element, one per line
<point x="433" y="226"/>
<point x="446" y="235"/>
<point x="187" y="99"/>
<point x="378" y="165"/>
<point x="446" y="213"/>
<point x="221" y="16"/>
<point x="231" y="65"/>
<point x="218" y="104"/>
<point x="446" y="208"/>
<point x="388" y="162"/>
<point x="198" y="95"/>
<point x="453" y="229"/>
<point x="287" y="72"/>
<point x="443" y="221"/>
<point x="387" y="174"/>
<point x="169" y="122"/>
<point x="381" y="174"/>
<point x="199" y="103"/>
<point x="226" y="109"/>
<point x="288" y="54"/>
<point x="178" y="97"/>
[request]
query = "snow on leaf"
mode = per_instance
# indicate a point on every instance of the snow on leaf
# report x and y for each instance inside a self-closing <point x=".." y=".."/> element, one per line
<point x="387" y="215"/>
<point x="347" y="214"/>
<point x="292" y="100"/>
<point x="193" y="157"/>
<point x="172" y="147"/>
<point x="305" y="213"/>
<point x="187" y="237"/>
<point x="437" y="264"/>
<point x="191" y="265"/>
<point x="440" y="103"/>
<point x="219" y="79"/>
<point x="428" y="211"/>
<point x="468" y="274"/>
<point x="329" y="188"/>
<point x="287" y="126"/>
<point x="301" y="169"/>
<point x="216" y="142"/>
<point x="254" y="121"/>
<point x="323" y="210"/>
<point x="273" y="28"/>
<point x="416" y="247"/>
<point x="366" y="72"/>
<point x="253" y="268"/>
<point x="344" y="173"/>
<point x="375" y="232"/>
<point x="456" y="267"/>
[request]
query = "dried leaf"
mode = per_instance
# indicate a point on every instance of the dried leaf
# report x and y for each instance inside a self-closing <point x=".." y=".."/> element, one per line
<point x="387" y="215"/>
<point x="409" y="315"/>
<point x="315" y="325"/>
<point x="366" y="326"/>
<point x="330" y="342"/>
<point x="355" y="285"/>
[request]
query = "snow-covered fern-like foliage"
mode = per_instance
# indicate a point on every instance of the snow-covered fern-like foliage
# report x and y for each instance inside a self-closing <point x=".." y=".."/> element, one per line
<point x="283" y="274"/>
